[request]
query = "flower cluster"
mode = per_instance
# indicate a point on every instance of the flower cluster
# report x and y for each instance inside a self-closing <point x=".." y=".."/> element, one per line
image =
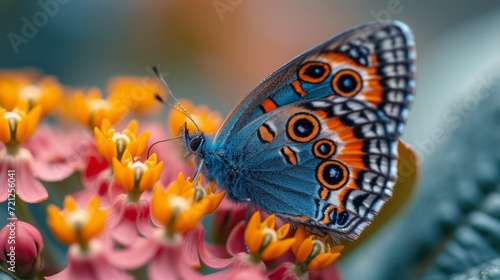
<point x="127" y="213"/>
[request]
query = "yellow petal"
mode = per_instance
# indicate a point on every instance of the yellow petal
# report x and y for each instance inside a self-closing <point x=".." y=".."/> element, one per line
<point x="142" y="141"/>
<point x="337" y="249"/>
<point x="283" y="231"/>
<point x="215" y="200"/>
<point x="300" y="235"/>
<point x="133" y="147"/>
<point x="160" y="208"/>
<point x="97" y="118"/>
<point x="98" y="135"/>
<point x="70" y="203"/>
<point x="116" y="113"/>
<point x="126" y="158"/>
<point x="93" y="203"/>
<point x="133" y="126"/>
<point x="187" y="220"/>
<point x="252" y="226"/>
<point x="147" y="180"/>
<point x="22" y="129"/>
<point x="81" y="108"/>
<point x="4" y="130"/>
<point x="276" y="249"/>
<point x="57" y="224"/>
<point x="34" y="116"/>
<point x="128" y="179"/>
<point x="322" y="261"/>
<point x="270" y="222"/>
<point x="110" y="151"/>
<point x="304" y="250"/>
<point x="255" y="241"/>
<point x="95" y="225"/>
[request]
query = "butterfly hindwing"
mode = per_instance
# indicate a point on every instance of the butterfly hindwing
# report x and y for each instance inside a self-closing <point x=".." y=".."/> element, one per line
<point x="327" y="164"/>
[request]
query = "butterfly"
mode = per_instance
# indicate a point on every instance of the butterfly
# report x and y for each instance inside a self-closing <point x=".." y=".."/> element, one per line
<point x="316" y="142"/>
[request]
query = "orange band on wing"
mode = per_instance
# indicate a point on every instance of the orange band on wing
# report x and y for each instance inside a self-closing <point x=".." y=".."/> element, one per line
<point x="297" y="87"/>
<point x="267" y="105"/>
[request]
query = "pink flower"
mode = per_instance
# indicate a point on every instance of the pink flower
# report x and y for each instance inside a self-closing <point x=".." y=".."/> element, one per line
<point x="21" y="245"/>
<point x="58" y="153"/>
<point x="93" y="264"/>
<point x="226" y="218"/>
<point x="96" y="177"/>
<point x="28" y="188"/>
<point x="166" y="256"/>
<point x="127" y="219"/>
<point x="241" y="268"/>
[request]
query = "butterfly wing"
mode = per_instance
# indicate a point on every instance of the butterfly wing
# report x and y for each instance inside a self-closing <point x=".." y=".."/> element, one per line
<point x="327" y="164"/>
<point x="373" y="63"/>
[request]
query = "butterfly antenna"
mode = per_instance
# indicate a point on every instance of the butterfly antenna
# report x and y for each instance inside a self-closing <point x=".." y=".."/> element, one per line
<point x="162" y="101"/>
<point x="156" y="70"/>
<point x="161" y="141"/>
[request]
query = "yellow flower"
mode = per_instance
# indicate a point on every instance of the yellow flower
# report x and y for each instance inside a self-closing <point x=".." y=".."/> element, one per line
<point x="136" y="93"/>
<point x="17" y="125"/>
<point x="313" y="252"/>
<point x="91" y="109"/>
<point x="134" y="176"/>
<point x="26" y="86"/>
<point x="208" y="121"/>
<point x="263" y="241"/>
<point x="182" y="205"/>
<point x="111" y="144"/>
<point x="76" y="225"/>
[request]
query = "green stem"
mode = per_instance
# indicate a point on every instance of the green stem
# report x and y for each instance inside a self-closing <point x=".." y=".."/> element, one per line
<point x="12" y="148"/>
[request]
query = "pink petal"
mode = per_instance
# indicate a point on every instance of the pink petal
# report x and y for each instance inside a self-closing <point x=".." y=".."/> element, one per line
<point x="114" y="189"/>
<point x="52" y="172"/>
<point x="284" y="272"/>
<point x="97" y="185"/>
<point x="90" y="266"/>
<point x="165" y="265"/>
<point x="227" y="216"/>
<point x="240" y="269"/>
<point x="142" y="222"/>
<point x="330" y="272"/>
<point x="57" y="153"/>
<point x="4" y="167"/>
<point x="27" y="187"/>
<point x="122" y="221"/>
<point x="136" y="255"/>
<point x="236" y="240"/>
<point x="195" y="246"/>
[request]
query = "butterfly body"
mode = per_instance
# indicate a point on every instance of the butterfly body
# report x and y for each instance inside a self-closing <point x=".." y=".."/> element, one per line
<point x="315" y="142"/>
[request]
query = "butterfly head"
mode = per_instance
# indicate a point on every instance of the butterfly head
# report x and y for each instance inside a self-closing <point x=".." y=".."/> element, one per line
<point x="195" y="141"/>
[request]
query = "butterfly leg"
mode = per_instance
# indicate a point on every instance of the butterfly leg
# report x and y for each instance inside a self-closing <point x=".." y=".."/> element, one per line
<point x="198" y="171"/>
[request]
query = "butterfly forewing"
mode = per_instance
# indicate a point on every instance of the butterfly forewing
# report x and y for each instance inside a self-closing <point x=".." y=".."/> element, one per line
<point x="379" y="58"/>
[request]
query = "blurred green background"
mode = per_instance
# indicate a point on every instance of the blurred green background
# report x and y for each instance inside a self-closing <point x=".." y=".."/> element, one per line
<point x="215" y="51"/>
